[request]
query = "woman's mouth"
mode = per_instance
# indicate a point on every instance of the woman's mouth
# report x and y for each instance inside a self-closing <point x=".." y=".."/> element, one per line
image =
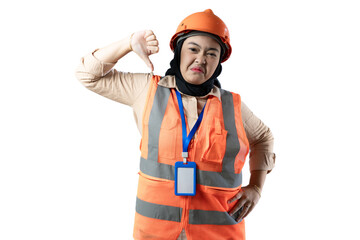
<point x="197" y="69"/>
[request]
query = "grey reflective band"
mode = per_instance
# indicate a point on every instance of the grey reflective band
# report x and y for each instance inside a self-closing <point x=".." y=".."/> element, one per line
<point x="219" y="179"/>
<point x="206" y="178"/>
<point x="227" y="178"/>
<point x="155" y="120"/>
<point x="210" y="217"/>
<point x="170" y="213"/>
<point x="232" y="140"/>
<point x="159" y="170"/>
<point x="158" y="211"/>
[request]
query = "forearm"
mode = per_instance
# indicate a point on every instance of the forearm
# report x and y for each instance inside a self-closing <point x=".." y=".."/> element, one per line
<point x="113" y="52"/>
<point x="258" y="178"/>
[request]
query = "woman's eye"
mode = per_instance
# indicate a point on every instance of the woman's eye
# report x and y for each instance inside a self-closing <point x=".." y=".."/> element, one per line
<point x="192" y="49"/>
<point x="212" y="54"/>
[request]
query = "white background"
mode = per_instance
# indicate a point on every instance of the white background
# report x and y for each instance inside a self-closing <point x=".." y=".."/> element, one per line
<point x="69" y="157"/>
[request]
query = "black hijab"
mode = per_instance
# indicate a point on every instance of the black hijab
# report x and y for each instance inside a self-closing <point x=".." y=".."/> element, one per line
<point x="186" y="87"/>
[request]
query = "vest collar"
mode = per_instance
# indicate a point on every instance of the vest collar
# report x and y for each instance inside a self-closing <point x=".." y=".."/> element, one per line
<point x="169" y="82"/>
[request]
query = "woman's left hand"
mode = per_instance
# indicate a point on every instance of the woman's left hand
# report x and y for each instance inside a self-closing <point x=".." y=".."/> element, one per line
<point x="247" y="198"/>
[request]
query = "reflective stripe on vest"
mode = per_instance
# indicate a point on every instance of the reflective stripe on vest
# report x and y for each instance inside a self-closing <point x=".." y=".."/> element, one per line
<point x="225" y="179"/>
<point x="206" y="178"/>
<point x="158" y="211"/>
<point x="219" y="150"/>
<point x="170" y="213"/>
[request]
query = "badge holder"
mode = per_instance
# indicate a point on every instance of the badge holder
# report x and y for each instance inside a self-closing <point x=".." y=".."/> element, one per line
<point x="185" y="179"/>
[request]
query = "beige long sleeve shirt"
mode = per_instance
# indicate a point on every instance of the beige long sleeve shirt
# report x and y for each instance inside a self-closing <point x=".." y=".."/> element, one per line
<point x="131" y="89"/>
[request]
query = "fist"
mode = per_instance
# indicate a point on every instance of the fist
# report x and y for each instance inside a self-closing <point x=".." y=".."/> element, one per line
<point x="144" y="43"/>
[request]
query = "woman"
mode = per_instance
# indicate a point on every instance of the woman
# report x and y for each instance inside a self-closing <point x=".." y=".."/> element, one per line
<point x="195" y="135"/>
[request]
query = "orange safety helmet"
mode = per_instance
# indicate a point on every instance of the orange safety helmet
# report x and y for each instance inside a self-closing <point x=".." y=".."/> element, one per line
<point x="205" y="21"/>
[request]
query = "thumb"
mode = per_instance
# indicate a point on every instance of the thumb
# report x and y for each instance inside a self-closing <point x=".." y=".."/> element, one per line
<point x="148" y="62"/>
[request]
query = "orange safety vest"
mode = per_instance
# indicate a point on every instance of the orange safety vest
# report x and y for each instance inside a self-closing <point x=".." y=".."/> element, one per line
<point x="219" y="150"/>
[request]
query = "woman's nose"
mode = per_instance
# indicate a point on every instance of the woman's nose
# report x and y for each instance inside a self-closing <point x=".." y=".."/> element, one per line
<point x="200" y="59"/>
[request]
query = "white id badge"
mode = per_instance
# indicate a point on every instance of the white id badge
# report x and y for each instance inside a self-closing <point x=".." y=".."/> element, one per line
<point x="185" y="179"/>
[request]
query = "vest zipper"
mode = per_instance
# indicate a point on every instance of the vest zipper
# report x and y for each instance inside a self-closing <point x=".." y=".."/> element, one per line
<point x="185" y="213"/>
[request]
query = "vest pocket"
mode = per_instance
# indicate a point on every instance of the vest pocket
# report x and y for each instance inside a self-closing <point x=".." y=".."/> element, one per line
<point x="214" y="143"/>
<point x="222" y="196"/>
<point x="168" y="138"/>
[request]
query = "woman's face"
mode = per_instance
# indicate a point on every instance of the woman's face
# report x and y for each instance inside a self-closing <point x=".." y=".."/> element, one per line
<point x="200" y="55"/>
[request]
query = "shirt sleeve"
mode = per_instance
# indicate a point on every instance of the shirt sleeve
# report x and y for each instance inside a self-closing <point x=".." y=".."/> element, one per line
<point x="261" y="141"/>
<point x="101" y="78"/>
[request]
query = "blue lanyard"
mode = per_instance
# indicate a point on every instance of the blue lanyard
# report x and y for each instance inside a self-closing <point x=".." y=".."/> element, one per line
<point x="186" y="139"/>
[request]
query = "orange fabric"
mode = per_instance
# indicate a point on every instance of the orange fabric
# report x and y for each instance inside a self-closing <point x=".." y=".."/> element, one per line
<point x="207" y="150"/>
<point x="149" y="228"/>
<point x="210" y="144"/>
<point x="232" y="232"/>
<point x="244" y="143"/>
<point x="158" y="191"/>
<point x="216" y="198"/>
<point x="171" y="133"/>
